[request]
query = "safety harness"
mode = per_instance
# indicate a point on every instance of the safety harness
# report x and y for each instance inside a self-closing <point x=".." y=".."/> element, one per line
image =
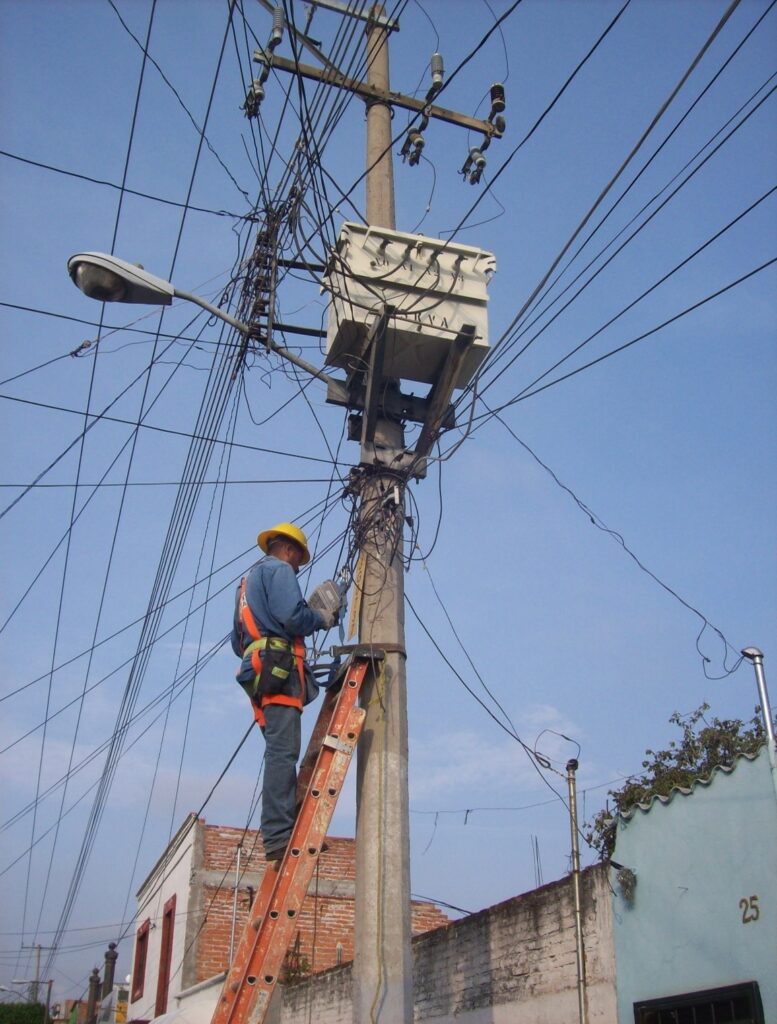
<point x="260" y="644"/>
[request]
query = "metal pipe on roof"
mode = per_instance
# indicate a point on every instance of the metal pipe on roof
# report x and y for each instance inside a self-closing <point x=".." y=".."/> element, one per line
<point x="754" y="655"/>
<point x="579" y="947"/>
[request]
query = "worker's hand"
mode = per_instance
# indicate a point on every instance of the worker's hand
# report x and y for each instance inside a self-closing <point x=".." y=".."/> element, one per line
<point x="329" y="617"/>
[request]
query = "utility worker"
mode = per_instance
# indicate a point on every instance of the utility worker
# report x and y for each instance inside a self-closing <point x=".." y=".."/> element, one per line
<point x="271" y="619"/>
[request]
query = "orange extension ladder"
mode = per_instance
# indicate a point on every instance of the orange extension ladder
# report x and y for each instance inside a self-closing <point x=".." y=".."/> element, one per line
<point x="250" y="982"/>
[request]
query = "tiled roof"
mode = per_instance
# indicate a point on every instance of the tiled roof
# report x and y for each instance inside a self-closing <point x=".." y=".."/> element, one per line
<point x="687" y="790"/>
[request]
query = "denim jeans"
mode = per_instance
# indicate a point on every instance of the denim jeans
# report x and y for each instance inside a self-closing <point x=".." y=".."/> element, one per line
<point x="282" y="736"/>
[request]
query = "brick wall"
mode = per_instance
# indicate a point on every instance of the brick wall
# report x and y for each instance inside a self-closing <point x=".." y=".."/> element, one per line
<point x="514" y="961"/>
<point x="68" y="1005"/>
<point x="326" y="921"/>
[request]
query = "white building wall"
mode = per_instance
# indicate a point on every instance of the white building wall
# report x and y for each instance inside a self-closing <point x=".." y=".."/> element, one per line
<point x="169" y="877"/>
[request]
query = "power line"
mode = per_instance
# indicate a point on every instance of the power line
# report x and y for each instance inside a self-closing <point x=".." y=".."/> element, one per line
<point x="632" y="153"/>
<point x="601" y="525"/>
<point x="200" y="130"/>
<point x="114" y="185"/>
<point x="171" y="553"/>
<point x="146" y="426"/>
<point x="175" y="483"/>
<point x="665" y="277"/>
<point x="112" y="636"/>
<point x="87" y="415"/>
<point x="668" y="198"/>
<point x="665" y="141"/>
<point x="129" y="442"/>
<point x="647" y="334"/>
<point x="537" y="761"/>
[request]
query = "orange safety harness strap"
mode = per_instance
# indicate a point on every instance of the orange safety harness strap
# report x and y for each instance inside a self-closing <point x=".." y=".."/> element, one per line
<point x="249" y="624"/>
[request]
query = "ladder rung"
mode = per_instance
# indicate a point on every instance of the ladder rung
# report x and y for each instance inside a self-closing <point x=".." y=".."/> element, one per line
<point x="334" y="743"/>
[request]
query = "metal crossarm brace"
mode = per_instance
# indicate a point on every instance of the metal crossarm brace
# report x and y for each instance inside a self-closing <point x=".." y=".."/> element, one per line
<point x="272" y="921"/>
<point x="377" y="350"/>
<point x="368" y="92"/>
<point x="441" y="392"/>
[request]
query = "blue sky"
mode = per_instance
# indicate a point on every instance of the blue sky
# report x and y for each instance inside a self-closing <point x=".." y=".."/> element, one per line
<point x="670" y="443"/>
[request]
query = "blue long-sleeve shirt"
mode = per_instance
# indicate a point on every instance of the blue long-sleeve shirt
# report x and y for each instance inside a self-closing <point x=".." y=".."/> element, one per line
<point x="277" y="604"/>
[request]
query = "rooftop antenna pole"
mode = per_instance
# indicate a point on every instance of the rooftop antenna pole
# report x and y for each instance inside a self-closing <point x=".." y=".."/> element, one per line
<point x="755" y="656"/>
<point x="579" y="947"/>
<point x="234" y="903"/>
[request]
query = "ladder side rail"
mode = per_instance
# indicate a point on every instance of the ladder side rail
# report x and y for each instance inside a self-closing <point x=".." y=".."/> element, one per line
<point x="286" y="905"/>
<point x="307" y="766"/>
<point x="337" y="717"/>
<point x="262" y="898"/>
<point x="320" y="729"/>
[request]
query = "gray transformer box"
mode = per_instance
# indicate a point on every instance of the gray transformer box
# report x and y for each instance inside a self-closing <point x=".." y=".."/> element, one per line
<point x="436" y="288"/>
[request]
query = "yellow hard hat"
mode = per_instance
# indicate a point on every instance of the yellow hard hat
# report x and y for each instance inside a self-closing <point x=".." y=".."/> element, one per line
<point x="285" y="530"/>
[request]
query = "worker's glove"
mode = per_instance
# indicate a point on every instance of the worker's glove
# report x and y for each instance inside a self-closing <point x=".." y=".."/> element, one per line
<point x="325" y="599"/>
<point x="329" y="616"/>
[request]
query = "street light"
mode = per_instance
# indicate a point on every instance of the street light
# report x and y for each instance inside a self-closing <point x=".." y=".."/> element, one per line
<point x="35" y="982"/>
<point x="109" y="279"/>
<point x="14" y="992"/>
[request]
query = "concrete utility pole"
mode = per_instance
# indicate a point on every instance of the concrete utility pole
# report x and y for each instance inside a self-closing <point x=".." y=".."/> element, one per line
<point x="47" y="1011"/>
<point x="35" y="987"/>
<point x="383" y="969"/>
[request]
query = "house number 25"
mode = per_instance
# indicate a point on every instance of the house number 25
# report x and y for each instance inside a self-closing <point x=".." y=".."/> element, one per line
<point x="749" y="908"/>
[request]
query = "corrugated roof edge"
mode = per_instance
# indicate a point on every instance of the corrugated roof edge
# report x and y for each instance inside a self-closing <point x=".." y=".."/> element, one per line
<point x="687" y="790"/>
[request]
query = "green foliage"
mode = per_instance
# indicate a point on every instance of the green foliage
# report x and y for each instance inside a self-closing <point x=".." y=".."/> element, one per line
<point x="22" y="1013"/>
<point x="704" y="746"/>
<point x="295" y="967"/>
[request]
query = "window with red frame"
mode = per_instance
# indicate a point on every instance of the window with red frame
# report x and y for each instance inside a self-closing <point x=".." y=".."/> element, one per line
<point x="139" y="967"/>
<point x="165" y="956"/>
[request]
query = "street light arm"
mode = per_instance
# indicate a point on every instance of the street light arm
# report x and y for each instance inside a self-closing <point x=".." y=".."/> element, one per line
<point x="204" y="304"/>
<point x="109" y="279"/>
<point x="303" y="364"/>
<point x="244" y="329"/>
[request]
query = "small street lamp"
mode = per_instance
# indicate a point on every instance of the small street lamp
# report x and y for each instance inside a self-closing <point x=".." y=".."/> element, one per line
<point x="108" y="279"/>
<point x="34" y="982"/>
<point x="14" y="992"/>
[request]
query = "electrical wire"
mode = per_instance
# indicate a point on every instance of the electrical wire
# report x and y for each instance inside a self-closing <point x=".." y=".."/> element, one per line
<point x="120" y="188"/>
<point x="174" y="483"/>
<point x="73" y="505"/>
<point x="647" y="334"/>
<point x="537" y="761"/>
<point x="665" y="277"/>
<point x="199" y="130"/>
<point x="303" y="517"/>
<point x="671" y="195"/>
<point x="178" y="680"/>
<point x="601" y="525"/>
<point x="666" y="140"/>
<point x="624" y="164"/>
<point x="171" y="553"/>
<point x="323" y="213"/>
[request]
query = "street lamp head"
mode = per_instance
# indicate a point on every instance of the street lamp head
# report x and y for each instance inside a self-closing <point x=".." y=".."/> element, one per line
<point x="752" y="654"/>
<point x="109" y="279"/>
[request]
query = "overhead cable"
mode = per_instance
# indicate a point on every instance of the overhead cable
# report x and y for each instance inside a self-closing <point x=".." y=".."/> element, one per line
<point x="114" y="185"/>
